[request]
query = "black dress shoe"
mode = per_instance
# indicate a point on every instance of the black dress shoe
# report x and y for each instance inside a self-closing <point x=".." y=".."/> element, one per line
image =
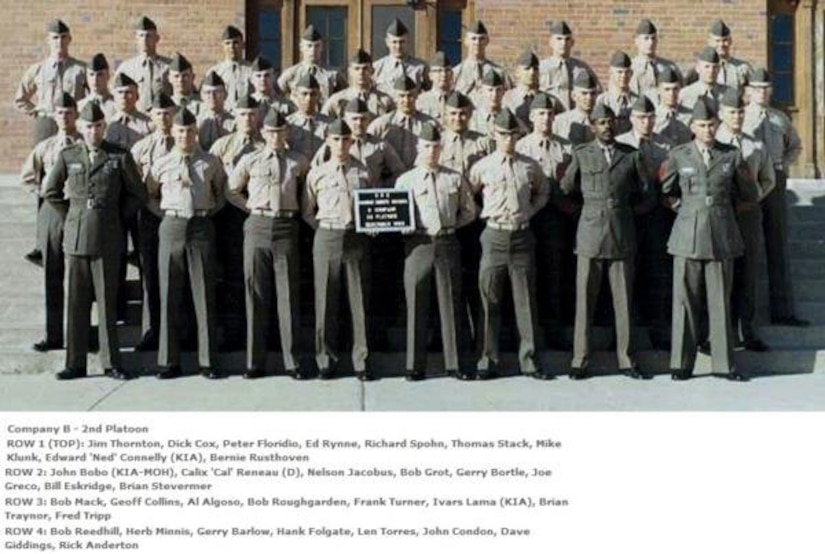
<point x="148" y="343"/>
<point x="171" y="372"/>
<point x="681" y="374"/>
<point x="413" y="375"/>
<point x="118" y="373"/>
<point x="790" y="321"/>
<point x="704" y="347"/>
<point x="71" y="373"/>
<point x="45" y="346"/>
<point x="635" y="373"/>
<point x="298" y="374"/>
<point x="34" y="257"/>
<point x="578" y="373"/>
<point x="739" y="376"/>
<point x="365" y="375"/>
<point x="541" y="375"/>
<point x="460" y="374"/>
<point x="326" y="373"/>
<point x="756" y="345"/>
<point x="211" y="373"/>
<point x="254" y="373"/>
<point x="486" y="374"/>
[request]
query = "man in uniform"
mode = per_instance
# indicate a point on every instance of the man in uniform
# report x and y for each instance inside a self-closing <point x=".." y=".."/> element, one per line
<point x="230" y="221"/>
<point x="400" y="127"/>
<point x="101" y="184"/>
<point x="327" y="207"/>
<point x="513" y="190"/>
<point x="146" y="152"/>
<point x="266" y="184"/>
<point x="233" y="69"/>
<point x="773" y="128"/>
<point x="559" y="72"/>
<point x="707" y="87"/>
<point x="312" y="48"/>
<point x="611" y="178"/>
<point x="654" y="280"/>
<point x="749" y="217"/>
<point x="51" y="216"/>
<point x="45" y="82"/>
<point x="574" y="125"/>
<point x="470" y="71"/>
<point x="733" y="72"/>
<point x="97" y="78"/>
<point x="182" y="79"/>
<point x="307" y="127"/>
<point x="552" y="240"/>
<point x="490" y="104"/>
<point x="433" y="101"/>
<point x="443" y="202"/>
<point x="128" y="125"/>
<point x="191" y="185"/>
<point x="647" y="66"/>
<point x="214" y="121"/>
<point x="672" y="118"/>
<point x="264" y="90"/>
<point x="148" y="69"/>
<point x="361" y="86"/>
<point x="618" y="96"/>
<point x="519" y="98"/>
<point x="398" y="62"/>
<point x="703" y="179"/>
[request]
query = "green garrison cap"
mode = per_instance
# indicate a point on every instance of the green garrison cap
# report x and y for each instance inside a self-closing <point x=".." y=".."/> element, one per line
<point x="440" y="60"/>
<point x="339" y="128"/>
<point x="65" y="100"/>
<point x="708" y="54"/>
<point x="260" y="63"/>
<point x="528" y="59"/>
<point x="311" y="34"/>
<point x="506" y="122"/>
<point x="646" y="27"/>
<point x="404" y="83"/>
<point x="247" y="102"/>
<point x="356" y="105"/>
<point x="185" y="118"/>
<point x="430" y="133"/>
<point x="179" y="63"/>
<point x="759" y="78"/>
<point x="719" y="29"/>
<point x="308" y="81"/>
<point x="92" y="113"/>
<point x="459" y="100"/>
<point x="602" y="111"/>
<point x="231" y="32"/>
<point x="163" y="101"/>
<point x="561" y="28"/>
<point x="584" y="80"/>
<point x="146" y="24"/>
<point x="213" y="80"/>
<point x="492" y="78"/>
<point x="397" y="29"/>
<point x="57" y="26"/>
<point x="643" y="104"/>
<point x="732" y="99"/>
<point x="703" y="111"/>
<point x="620" y="59"/>
<point x="275" y="119"/>
<point x="477" y="28"/>
<point x="360" y="57"/>
<point x="543" y="101"/>
<point x="122" y="80"/>
<point x="98" y="63"/>
<point x="668" y="75"/>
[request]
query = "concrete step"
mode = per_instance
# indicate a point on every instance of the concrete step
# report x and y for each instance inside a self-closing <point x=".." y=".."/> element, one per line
<point x="807" y="249"/>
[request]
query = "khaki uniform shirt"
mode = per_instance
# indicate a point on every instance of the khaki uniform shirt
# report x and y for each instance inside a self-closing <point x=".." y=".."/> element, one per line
<point x="468" y="74"/>
<point x="518" y="101"/>
<point x="460" y="151"/>
<point x="151" y="74"/>
<point x="146" y="152"/>
<point x="329" y="192"/>
<point x="433" y="103"/>
<point x="125" y="129"/>
<point x="646" y="71"/>
<point x="401" y="132"/>
<point x="378" y="103"/>
<point x="573" y="126"/>
<point x="270" y="180"/>
<point x="773" y="128"/>
<point x="188" y="184"/>
<point x="107" y="104"/>
<point x="43" y="157"/>
<point x="673" y="124"/>
<point x="191" y="102"/>
<point x="307" y="133"/>
<point x="388" y="69"/>
<point x="231" y="148"/>
<point x="551" y="154"/>
<point x="556" y="76"/>
<point x="733" y="73"/>
<point x="756" y="156"/>
<point x="443" y="198"/>
<point x="513" y="188"/>
<point x="691" y="93"/>
<point x="329" y="80"/>
<point x="45" y="81"/>
<point x="274" y="101"/>
<point x="212" y="126"/>
<point x="235" y="75"/>
<point x="380" y="158"/>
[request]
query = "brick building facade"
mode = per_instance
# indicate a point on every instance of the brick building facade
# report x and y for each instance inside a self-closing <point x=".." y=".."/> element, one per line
<point x="787" y="35"/>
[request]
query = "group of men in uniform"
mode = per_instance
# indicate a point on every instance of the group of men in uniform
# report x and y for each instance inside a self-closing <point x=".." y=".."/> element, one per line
<point x="221" y="186"/>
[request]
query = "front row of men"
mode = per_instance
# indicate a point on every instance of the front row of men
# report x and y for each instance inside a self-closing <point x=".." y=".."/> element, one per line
<point x="707" y="182"/>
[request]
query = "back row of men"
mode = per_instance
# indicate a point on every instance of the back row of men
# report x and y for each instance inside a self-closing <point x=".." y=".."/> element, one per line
<point x="478" y="119"/>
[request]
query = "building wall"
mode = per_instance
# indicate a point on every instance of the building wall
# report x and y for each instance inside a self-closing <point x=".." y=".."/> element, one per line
<point x="107" y="26"/>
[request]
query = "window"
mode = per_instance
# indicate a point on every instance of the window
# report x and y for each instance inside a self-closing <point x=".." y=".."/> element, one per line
<point x="381" y="18"/>
<point x="331" y="22"/>
<point x="449" y="35"/>
<point x="269" y="35"/>
<point x="781" y="56"/>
